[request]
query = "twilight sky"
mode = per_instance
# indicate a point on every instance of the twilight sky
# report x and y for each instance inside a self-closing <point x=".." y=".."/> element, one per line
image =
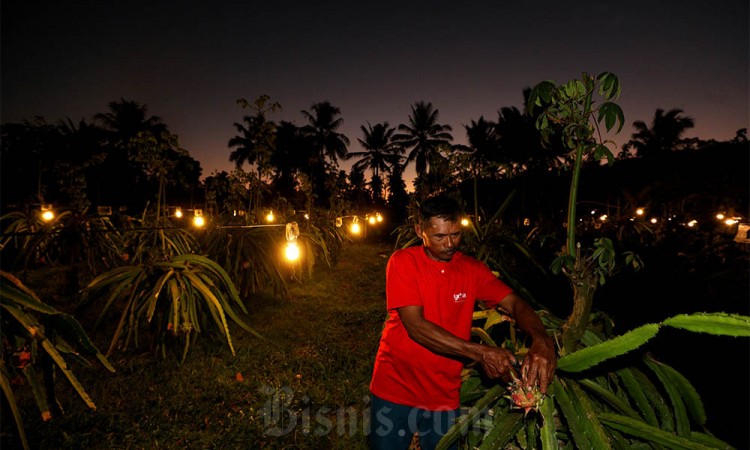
<point x="190" y="61"/>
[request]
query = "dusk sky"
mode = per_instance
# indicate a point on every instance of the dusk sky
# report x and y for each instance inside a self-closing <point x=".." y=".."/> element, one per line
<point x="189" y="62"/>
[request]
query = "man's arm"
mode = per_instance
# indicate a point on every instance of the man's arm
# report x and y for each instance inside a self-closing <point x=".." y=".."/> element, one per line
<point x="497" y="362"/>
<point x="541" y="360"/>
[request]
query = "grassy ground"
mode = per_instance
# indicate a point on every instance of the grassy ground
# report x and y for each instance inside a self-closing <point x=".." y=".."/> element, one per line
<point x="304" y="386"/>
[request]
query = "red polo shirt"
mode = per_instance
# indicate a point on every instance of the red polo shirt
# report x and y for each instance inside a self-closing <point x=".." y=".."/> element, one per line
<point x="405" y="372"/>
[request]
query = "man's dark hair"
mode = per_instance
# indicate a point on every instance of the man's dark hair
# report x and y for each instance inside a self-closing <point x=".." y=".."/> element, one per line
<point x="441" y="206"/>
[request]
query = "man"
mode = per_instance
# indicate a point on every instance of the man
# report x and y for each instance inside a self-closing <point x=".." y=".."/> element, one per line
<point x="431" y="290"/>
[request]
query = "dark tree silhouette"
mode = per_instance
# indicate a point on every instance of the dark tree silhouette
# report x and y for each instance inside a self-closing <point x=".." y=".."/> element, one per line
<point x="121" y="180"/>
<point x="326" y="145"/>
<point x="254" y="142"/>
<point x="290" y="157"/>
<point x="423" y="136"/>
<point x="380" y="154"/>
<point x="663" y="136"/>
<point x="321" y="128"/>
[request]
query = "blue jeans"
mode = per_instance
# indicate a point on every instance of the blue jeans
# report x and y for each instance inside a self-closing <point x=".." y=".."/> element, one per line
<point x="392" y="426"/>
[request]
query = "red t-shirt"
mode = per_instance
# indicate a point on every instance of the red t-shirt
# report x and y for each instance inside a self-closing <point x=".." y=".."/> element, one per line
<point x="405" y="372"/>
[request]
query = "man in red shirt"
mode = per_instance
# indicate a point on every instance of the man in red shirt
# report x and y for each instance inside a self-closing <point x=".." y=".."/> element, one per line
<point x="431" y="290"/>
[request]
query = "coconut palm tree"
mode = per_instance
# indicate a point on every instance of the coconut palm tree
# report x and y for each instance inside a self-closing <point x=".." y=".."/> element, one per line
<point x="120" y="179"/>
<point x="28" y="153"/>
<point x="483" y="142"/>
<point x="326" y="145"/>
<point x="664" y="135"/>
<point x="423" y="136"/>
<point x="291" y="156"/>
<point x="519" y="144"/>
<point x="254" y="142"/>
<point x="380" y="154"/>
<point x="126" y="119"/>
<point x="81" y="149"/>
<point x="321" y="128"/>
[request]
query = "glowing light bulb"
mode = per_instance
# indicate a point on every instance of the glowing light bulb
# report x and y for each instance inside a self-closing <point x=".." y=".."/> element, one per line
<point x="639" y="211"/>
<point x="372" y="220"/>
<point x="47" y="213"/>
<point x="178" y="213"/>
<point x="464" y="222"/>
<point x="269" y="217"/>
<point x="356" y="228"/>
<point x="199" y="221"/>
<point x="292" y="251"/>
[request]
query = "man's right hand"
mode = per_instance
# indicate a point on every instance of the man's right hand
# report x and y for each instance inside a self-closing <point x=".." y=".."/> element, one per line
<point x="498" y="362"/>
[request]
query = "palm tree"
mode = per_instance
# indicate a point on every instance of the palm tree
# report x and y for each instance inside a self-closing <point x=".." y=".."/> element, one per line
<point x="120" y="178"/>
<point x="519" y="144"/>
<point x="424" y="136"/>
<point x="664" y="135"/>
<point x="380" y="154"/>
<point x="321" y="128"/>
<point x="326" y="145"/>
<point x="81" y="149"/>
<point x="255" y="142"/>
<point x="290" y="157"/>
<point x="398" y="198"/>
<point x="483" y="143"/>
<point x="126" y="119"/>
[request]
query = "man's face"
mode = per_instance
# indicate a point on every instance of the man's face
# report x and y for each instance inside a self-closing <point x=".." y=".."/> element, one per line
<point x="440" y="238"/>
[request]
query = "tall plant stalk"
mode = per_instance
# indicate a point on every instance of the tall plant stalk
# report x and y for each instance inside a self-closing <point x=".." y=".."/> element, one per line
<point x="571" y="109"/>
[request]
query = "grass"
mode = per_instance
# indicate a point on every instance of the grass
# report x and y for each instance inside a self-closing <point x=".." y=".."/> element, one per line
<point x="305" y="385"/>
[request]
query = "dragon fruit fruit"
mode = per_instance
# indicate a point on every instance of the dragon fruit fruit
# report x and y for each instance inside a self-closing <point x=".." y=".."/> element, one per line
<point x="526" y="398"/>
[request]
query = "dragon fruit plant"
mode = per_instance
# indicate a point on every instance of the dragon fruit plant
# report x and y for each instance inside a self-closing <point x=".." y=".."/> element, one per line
<point x="626" y="404"/>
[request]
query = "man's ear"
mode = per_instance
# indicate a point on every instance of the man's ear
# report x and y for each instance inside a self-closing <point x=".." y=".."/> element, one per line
<point x="418" y="229"/>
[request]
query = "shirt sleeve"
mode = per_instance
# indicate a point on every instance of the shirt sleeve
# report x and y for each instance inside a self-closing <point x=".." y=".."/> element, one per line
<point x="490" y="289"/>
<point x="401" y="287"/>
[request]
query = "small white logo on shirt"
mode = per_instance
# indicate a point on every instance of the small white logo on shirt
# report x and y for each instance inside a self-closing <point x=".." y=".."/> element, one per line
<point x="460" y="297"/>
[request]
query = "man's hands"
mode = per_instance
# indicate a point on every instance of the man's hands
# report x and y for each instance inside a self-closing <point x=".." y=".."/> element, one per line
<point x="498" y="362"/>
<point x="538" y="366"/>
<point x="540" y="361"/>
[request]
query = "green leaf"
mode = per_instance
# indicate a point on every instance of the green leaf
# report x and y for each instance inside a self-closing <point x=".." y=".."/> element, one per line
<point x="601" y="151"/>
<point x="461" y="427"/>
<point x="661" y="407"/>
<point x="612" y="115"/>
<point x="591" y="356"/>
<point x="675" y="397"/>
<point x="504" y="428"/>
<point x="722" y="324"/>
<point x="548" y="431"/>
<point x="688" y="394"/>
<point x="642" y="430"/>
<point x="636" y="391"/>
<point x="13" y="404"/>
<point x="610" y="397"/>
<point x="483" y="336"/>
<point x="593" y="427"/>
<point x="569" y="411"/>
